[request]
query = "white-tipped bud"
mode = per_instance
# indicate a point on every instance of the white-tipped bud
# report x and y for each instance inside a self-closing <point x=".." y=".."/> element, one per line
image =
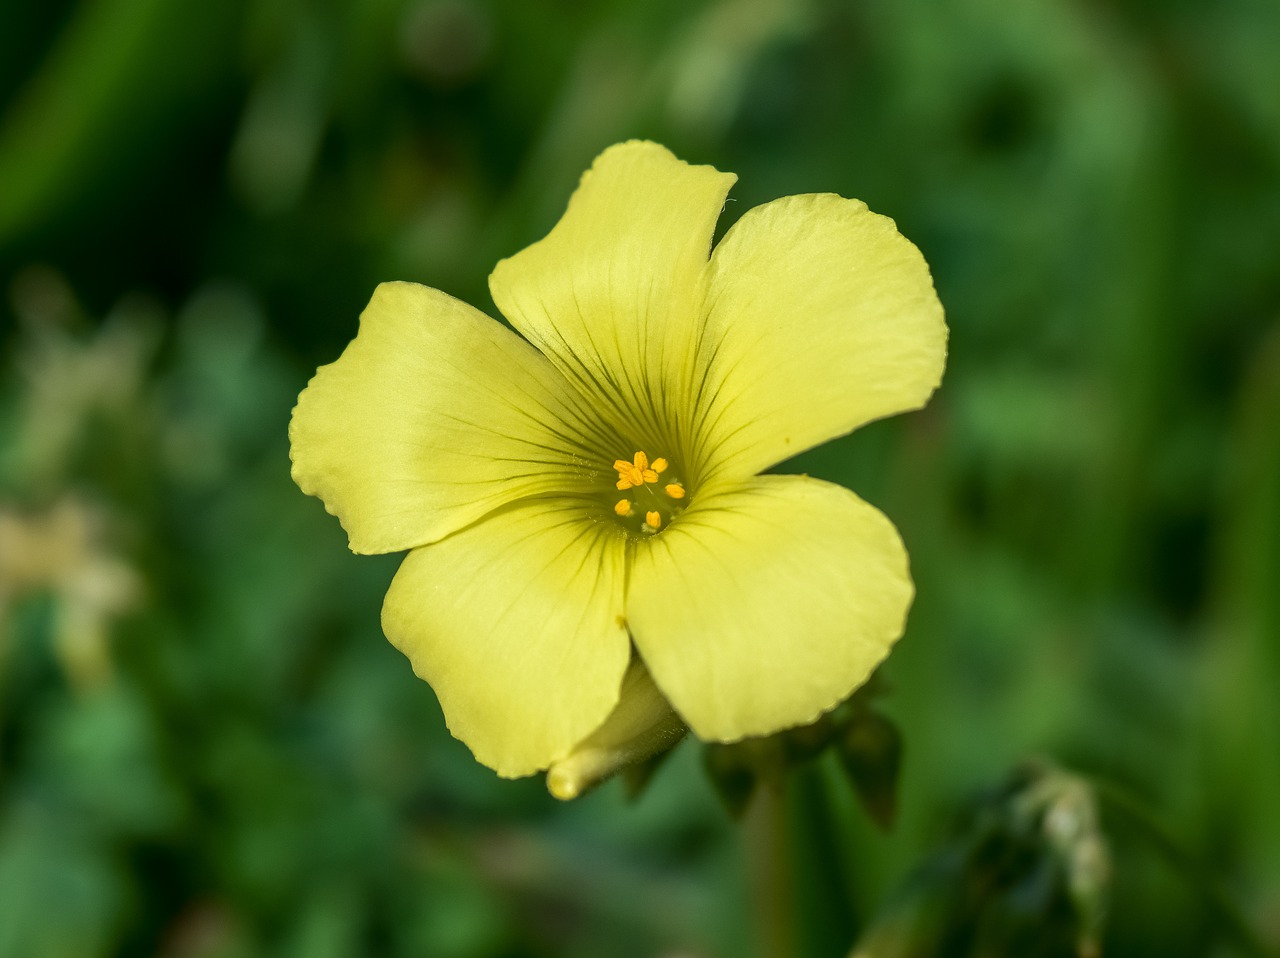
<point x="640" y="726"/>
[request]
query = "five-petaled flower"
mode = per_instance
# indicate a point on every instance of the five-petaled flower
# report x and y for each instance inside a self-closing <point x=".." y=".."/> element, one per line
<point x="591" y="492"/>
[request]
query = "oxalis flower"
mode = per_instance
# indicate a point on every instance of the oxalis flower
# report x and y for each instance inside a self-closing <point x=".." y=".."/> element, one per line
<point x="585" y="503"/>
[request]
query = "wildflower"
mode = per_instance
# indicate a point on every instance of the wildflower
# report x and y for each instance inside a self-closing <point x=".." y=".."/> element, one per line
<point x="591" y="492"/>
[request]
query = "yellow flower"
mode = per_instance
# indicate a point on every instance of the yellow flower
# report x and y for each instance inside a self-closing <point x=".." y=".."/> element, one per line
<point x="595" y="484"/>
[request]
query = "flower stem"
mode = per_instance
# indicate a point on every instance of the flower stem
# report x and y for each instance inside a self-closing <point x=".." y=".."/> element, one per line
<point x="770" y="865"/>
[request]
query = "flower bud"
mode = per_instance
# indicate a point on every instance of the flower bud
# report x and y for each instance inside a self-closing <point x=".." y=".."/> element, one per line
<point x="640" y="726"/>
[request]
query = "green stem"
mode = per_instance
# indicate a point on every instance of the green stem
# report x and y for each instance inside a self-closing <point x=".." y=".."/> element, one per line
<point x="770" y="867"/>
<point x="1224" y="909"/>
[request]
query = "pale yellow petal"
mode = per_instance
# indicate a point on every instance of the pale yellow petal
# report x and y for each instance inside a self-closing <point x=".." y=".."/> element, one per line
<point x="517" y="623"/>
<point x="612" y="293"/>
<point x="821" y="316"/>
<point x="767" y="603"/>
<point x="433" y="416"/>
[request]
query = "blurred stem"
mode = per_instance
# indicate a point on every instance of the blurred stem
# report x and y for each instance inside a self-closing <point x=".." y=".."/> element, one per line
<point x="765" y="828"/>
<point x="1229" y="915"/>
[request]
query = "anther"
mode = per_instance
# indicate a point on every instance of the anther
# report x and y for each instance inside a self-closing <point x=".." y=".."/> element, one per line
<point x="675" y="490"/>
<point x="641" y="467"/>
<point x="629" y="475"/>
<point x="654" y="520"/>
<point x="623" y="508"/>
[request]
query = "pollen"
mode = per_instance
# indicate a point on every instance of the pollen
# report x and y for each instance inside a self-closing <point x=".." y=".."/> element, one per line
<point x="653" y="520"/>
<point x="623" y="507"/>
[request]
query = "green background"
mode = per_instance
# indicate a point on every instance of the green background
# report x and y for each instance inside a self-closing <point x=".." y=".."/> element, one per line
<point x="206" y="746"/>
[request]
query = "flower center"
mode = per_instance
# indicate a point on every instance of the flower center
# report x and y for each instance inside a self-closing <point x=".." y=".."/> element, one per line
<point x="651" y="494"/>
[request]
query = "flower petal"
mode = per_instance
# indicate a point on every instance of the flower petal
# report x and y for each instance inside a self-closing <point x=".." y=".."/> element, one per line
<point x="433" y="416"/>
<point x="820" y="317"/>
<point x="517" y="624"/>
<point x="611" y="294"/>
<point x="767" y="604"/>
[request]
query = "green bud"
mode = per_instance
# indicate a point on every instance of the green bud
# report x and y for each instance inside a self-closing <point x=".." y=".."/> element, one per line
<point x="870" y="750"/>
<point x="1027" y="877"/>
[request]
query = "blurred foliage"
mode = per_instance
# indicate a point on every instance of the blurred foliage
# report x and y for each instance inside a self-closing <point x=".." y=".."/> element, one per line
<point x="1026" y="878"/>
<point x="206" y="748"/>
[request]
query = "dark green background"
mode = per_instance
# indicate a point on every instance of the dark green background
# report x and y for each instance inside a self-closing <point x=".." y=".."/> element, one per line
<point x="197" y="199"/>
